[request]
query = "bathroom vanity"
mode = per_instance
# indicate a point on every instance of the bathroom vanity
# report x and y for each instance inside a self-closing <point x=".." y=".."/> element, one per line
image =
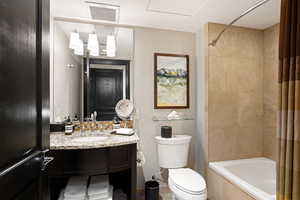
<point x="93" y="154"/>
<point x="85" y="88"/>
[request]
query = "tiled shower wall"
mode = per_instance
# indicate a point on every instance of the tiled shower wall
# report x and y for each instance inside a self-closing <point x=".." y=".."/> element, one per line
<point x="240" y="113"/>
<point x="235" y="94"/>
<point x="271" y="48"/>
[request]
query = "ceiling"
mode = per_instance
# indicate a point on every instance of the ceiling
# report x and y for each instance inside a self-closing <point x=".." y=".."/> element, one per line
<point x="181" y="15"/>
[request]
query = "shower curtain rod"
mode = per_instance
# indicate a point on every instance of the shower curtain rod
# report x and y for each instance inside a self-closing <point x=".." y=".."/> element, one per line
<point x="258" y="4"/>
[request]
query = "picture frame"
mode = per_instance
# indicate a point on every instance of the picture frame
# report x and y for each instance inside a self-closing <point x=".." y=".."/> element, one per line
<point x="171" y="81"/>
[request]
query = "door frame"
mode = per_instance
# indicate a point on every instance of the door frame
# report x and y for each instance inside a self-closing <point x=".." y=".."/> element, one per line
<point x="43" y="77"/>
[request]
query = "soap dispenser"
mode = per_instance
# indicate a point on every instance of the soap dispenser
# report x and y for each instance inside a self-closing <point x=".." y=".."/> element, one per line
<point x="69" y="127"/>
<point x="76" y="123"/>
<point x="116" y="123"/>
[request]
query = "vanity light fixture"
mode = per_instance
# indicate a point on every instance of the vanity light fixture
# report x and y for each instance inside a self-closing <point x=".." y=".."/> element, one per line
<point x="92" y="41"/>
<point x="110" y="46"/>
<point x="79" y="50"/>
<point x="74" y="40"/>
<point x="93" y="44"/>
<point x="94" y="52"/>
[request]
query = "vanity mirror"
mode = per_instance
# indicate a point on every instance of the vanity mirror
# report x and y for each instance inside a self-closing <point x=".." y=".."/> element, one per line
<point x="90" y="70"/>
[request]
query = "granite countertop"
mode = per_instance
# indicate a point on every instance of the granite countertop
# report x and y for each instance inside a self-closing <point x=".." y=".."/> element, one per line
<point x="58" y="140"/>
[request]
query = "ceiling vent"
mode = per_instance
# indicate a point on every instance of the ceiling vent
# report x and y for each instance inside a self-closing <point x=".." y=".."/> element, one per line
<point x="104" y="12"/>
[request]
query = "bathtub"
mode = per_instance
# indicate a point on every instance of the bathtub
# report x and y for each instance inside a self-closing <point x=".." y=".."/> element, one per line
<point x="255" y="176"/>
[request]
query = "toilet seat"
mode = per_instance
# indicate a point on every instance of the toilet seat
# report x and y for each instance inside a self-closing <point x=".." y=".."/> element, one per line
<point x="187" y="181"/>
<point x="188" y="192"/>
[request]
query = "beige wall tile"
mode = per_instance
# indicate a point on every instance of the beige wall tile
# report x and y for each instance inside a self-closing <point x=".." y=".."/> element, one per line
<point x="223" y="143"/>
<point x="232" y="192"/>
<point x="250" y="109"/>
<point x="222" y="110"/>
<point x="235" y="94"/>
<point x="236" y="42"/>
<point x="214" y="186"/>
<point x="221" y="74"/>
<point x="271" y="81"/>
<point x="270" y="142"/>
<point x="271" y="48"/>
<point x="270" y="118"/>
<point x="221" y="189"/>
<point x="250" y="141"/>
<point x="271" y="41"/>
<point x="242" y="96"/>
<point x="242" y="93"/>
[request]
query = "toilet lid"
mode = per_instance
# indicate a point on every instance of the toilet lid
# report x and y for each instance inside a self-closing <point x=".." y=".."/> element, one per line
<point x="187" y="180"/>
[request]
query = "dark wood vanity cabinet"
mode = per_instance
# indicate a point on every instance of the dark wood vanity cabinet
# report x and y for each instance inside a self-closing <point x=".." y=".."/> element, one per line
<point x="119" y="162"/>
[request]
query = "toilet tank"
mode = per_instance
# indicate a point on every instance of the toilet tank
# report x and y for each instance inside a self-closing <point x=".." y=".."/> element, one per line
<point x="173" y="152"/>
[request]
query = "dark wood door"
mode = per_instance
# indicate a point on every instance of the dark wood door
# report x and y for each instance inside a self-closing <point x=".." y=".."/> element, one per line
<point x="18" y="79"/>
<point x="106" y="91"/>
<point x="24" y="110"/>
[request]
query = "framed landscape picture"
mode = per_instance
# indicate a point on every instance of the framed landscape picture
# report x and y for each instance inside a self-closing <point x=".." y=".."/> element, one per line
<point x="171" y="81"/>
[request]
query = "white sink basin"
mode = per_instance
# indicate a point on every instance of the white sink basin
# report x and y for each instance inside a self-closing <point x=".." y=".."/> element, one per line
<point x="90" y="139"/>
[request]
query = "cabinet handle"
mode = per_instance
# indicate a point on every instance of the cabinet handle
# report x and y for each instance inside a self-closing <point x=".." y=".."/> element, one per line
<point x="46" y="161"/>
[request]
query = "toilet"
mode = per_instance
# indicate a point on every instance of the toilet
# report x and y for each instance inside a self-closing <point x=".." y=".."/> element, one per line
<point x="185" y="183"/>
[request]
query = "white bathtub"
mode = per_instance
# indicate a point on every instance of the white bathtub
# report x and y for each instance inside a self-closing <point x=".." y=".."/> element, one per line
<point x="255" y="176"/>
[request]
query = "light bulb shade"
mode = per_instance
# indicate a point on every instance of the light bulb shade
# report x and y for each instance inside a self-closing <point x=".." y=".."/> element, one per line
<point x="74" y="40"/>
<point x="111" y="46"/>
<point x="79" y="50"/>
<point x="94" y="51"/>
<point x="93" y="44"/>
<point x="110" y="53"/>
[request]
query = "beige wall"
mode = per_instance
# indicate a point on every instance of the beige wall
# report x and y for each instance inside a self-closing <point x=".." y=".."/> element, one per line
<point x="235" y="94"/>
<point x="147" y="42"/>
<point x="202" y="90"/>
<point x="271" y="48"/>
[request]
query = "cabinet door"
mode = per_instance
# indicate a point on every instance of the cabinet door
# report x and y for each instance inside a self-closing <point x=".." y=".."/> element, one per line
<point x="119" y="158"/>
<point x="77" y="162"/>
<point x="29" y="193"/>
